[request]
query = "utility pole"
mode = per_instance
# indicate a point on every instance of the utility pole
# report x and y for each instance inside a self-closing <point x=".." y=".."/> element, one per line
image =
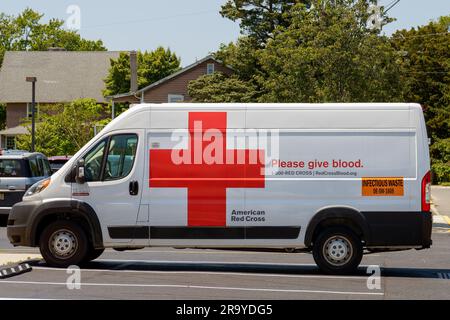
<point x="33" y="81"/>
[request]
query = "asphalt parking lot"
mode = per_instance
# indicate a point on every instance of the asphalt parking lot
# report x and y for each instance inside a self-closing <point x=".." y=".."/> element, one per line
<point x="166" y="273"/>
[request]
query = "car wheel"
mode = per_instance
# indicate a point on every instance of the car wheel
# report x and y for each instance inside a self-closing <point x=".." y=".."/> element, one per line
<point x="338" y="251"/>
<point x="63" y="243"/>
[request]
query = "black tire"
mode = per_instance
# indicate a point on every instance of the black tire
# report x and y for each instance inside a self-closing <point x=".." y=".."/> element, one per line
<point x="93" y="254"/>
<point x="338" y="250"/>
<point x="69" y="239"/>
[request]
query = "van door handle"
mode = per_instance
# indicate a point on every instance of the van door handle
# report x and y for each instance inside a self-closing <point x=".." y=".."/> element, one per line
<point x="134" y="188"/>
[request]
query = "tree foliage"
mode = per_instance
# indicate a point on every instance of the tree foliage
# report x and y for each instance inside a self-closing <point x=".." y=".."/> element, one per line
<point x="440" y="154"/>
<point x="328" y="54"/>
<point x="322" y="51"/>
<point x="218" y="87"/>
<point x="259" y="18"/>
<point x="64" y="128"/>
<point x="27" y="32"/>
<point x="425" y="64"/>
<point x="242" y="56"/>
<point x="152" y="66"/>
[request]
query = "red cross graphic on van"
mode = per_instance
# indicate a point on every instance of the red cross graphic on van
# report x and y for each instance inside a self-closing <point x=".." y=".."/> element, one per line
<point x="207" y="182"/>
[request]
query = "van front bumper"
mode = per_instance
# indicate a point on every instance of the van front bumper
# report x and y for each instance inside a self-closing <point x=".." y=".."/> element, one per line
<point x="18" y="227"/>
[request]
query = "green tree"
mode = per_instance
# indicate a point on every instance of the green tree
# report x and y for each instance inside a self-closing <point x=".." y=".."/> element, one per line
<point x="424" y="57"/>
<point x="218" y="87"/>
<point x="242" y="56"/>
<point x="323" y="51"/>
<point x="152" y="66"/>
<point x="328" y="54"/>
<point x="440" y="154"/>
<point x="259" y="18"/>
<point x="64" y="128"/>
<point x="27" y="31"/>
<point x="425" y="62"/>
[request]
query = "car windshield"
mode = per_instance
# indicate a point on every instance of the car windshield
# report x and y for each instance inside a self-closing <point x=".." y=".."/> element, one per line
<point x="11" y="168"/>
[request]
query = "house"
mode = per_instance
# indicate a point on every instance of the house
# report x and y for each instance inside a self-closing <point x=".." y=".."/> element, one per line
<point x="174" y="87"/>
<point x="62" y="76"/>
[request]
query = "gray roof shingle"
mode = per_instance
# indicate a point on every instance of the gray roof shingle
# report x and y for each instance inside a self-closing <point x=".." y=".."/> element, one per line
<point x="62" y="76"/>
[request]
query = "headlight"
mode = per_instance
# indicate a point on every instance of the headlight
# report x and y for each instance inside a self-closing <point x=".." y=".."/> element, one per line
<point x="37" y="187"/>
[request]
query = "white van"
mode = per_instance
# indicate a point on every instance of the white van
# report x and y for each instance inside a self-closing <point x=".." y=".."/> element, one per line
<point x="333" y="179"/>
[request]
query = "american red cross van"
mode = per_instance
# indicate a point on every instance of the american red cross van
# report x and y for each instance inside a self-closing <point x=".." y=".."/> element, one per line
<point x="334" y="179"/>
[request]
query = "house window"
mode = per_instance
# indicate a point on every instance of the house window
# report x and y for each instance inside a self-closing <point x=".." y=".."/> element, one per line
<point x="10" y="142"/>
<point x="29" y="110"/>
<point x="174" y="98"/>
<point x="210" y="68"/>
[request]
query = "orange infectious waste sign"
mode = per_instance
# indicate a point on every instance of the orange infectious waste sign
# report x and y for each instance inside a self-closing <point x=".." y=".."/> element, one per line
<point x="382" y="187"/>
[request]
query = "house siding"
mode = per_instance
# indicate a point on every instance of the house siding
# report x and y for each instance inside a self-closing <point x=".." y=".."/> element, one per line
<point x="15" y="114"/>
<point x="179" y="84"/>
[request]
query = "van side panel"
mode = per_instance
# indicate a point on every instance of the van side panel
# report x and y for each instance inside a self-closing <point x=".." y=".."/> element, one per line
<point x="314" y="159"/>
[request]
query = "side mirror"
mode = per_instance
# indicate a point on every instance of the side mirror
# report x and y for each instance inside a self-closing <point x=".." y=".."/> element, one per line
<point x="79" y="172"/>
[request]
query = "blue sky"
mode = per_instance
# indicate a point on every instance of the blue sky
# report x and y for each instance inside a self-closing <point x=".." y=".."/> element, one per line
<point x="191" y="28"/>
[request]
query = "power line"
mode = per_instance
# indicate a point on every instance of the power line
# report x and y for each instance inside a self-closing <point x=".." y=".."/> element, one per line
<point x="125" y="22"/>
<point x="391" y="5"/>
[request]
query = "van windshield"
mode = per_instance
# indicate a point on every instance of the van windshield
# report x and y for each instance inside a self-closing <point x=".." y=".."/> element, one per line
<point x="11" y="168"/>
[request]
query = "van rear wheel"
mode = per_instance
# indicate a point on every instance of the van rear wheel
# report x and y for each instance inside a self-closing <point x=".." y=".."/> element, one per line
<point x="338" y="250"/>
<point x="63" y="243"/>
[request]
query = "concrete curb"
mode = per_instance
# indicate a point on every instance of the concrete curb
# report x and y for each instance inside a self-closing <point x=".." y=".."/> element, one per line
<point x="7" y="259"/>
<point x="434" y="210"/>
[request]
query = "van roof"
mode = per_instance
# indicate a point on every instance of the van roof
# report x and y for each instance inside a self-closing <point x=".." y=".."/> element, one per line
<point x="133" y="118"/>
<point x="281" y="106"/>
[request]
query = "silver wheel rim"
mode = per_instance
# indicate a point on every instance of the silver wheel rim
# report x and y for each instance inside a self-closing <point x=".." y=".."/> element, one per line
<point x="337" y="250"/>
<point x="63" y="244"/>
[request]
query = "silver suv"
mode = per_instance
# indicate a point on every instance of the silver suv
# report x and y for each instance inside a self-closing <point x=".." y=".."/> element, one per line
<point x="19" y="170"/>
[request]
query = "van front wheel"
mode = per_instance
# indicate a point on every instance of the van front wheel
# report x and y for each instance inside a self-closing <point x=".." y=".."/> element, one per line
<point x="337" y="251"/>
<point x="93" y="254"/>
<point x="63" y="243"/>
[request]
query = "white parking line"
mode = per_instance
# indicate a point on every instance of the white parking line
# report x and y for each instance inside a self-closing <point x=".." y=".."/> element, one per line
<point x="90" y="284"/>
<point x="270" y="275"/>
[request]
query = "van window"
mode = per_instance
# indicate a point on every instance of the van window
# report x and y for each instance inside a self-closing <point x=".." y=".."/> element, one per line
<point x="11" y="168"/>
<point x="121" y="154"/>
<point x="93" y="162"/>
